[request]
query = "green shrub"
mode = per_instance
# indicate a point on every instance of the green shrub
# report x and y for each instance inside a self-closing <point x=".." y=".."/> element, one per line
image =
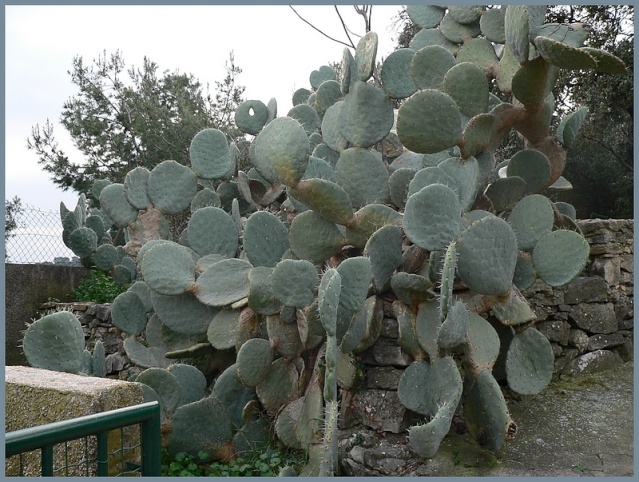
<point x="98" y="288"/>
<point x="267" y="464"/>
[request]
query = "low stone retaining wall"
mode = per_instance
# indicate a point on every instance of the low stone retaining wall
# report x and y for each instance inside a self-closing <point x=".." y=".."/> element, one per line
<point x="36" y="397"/>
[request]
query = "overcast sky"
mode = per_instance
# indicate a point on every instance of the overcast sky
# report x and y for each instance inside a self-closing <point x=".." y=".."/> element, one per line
<point x="274" y="48"/>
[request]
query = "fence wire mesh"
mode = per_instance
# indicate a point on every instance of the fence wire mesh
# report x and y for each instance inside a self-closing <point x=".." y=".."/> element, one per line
<point x="37" y="239"/>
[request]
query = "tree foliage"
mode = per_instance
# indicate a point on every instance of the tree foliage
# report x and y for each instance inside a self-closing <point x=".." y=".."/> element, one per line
<point x="120" y="119"/>
<point x="12" y="209"/>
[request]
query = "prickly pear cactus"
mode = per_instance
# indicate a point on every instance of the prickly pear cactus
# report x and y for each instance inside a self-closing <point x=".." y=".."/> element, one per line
<point x="349" y="200"/>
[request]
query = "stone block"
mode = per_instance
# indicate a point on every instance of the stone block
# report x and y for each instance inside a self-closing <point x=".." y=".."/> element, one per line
<point x="557" y="331"/>
<point x="586" y="290"/>
<point x="592" y="362"/>
<point x="386" y="378"/>
<point x="35" y="397"/>
<point x="385" y="353"/>
<point x="599" y="342"/>
<point x="380" y="410"/>
<point x="390" y="328"/>
<point x="609" y="269"/>
<point x="595" y="317"/>
<point x="579" y="339"/>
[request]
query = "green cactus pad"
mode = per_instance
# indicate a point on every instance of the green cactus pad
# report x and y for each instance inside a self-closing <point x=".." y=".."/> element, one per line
<point x="465" y="173"/>
<point x="487" y="252"/>
<point x="105" y="257"/>
<point x="306" y="116"/>
<point x="399" y="184"/>
<point x="168" y="268"/>
<point x="533" y="167"/>
<point x="363" y="175"/>
<point x="281" y="151"/>
<point x="143" y="291"/>
<point x="139" y="354"/>
<point x="492" y="24"/>
<point x="425" y="439"/>
<point x="394" y="74"/>
<point x="466" y="14"/>
<point x="284" y="335"/>
<point x="466" y="83"/>
<point x="224" y="282"/>
<point x="319" y="168"/>
<point x="114" y="203"/>
<point x="287" y="423"/>
<point x="427" y="325"/>
<point x="407" y="337"/>
<point x="212" y="231"/>
<point x="165" y="384"/>
<point x="328" y="300"/>
<point x="525" y="274"/>
<point x="514" y="310"/>
<point x="97" y="187"/>
<point x="506" y="192"/>
<point x="480" y="52"/>
<point x="222" y="332"/>
<point x="326" y="198"/>
<point x="516" y="30"/>
<point x="569" y="126"/>
<point x="321" y="75"/>
<point x="531" y="218"/>
<point x="182" y="313"/>
<point x="97" y="224"/>
<point x="564" y="56"/>
<point x="429" y="66"/>
<point x="560" y="256"/>
<point x="314" y="238"/>
<point x="425" y="16"/>
<point x="505" y="70"/>
<point x="135" y="187"/>
<point x="566" y="209"/>
<point x="486" y="413"/>
<point x="368" y="220"/>
<point x="251" y="116"/>
<point x="365" y="54"/>
<point x="453" y="329"/>
<point x="429" y="122"/>
<point x="55" y="342"/>
<point x="606" y="62"/>
<point x="384" y="249"/>
<point x="233" y="395"/>
<point x="192" y="382"/>
<point x="280" y="386"/>
<point x="424" y="386"/>
<point x="478" y="134"/>
<point x="457" y="32"/>
<point x="533" y="81"/>
<point x="271" y="107"/>
<point x="529" y="363"/>
<point x="482" y="343"/>
<point x="83" y="241"/>
<point x="300" y="96"/>
<point x="265" y="239"/>
<point x="294" y="282"/>
<point x="432" y="217"/>
<point x="355" y="275"/>
<point x="328" y="94"/>
<point x="128" y="313"/>
<point x="171" y="187"/>
<point x="261" y="298"/>
<point x="322" y="151"/>
<point x="432" y="36"/>
<point x="412" y="289"/>
<point x="366" y="116"/>
<point x="209" y="154"/>
<point x="573" y="34"/>
<point x="332" y="136"/>
<point x="431" y="175"/>
<point x="205" y="198"/>
<point x="254" y="360"/>
<point x="202" y="426"/>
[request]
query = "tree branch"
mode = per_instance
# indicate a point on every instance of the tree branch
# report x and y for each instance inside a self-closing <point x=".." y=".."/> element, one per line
<point x="611" y="151"/>
<point x="344" y="26"/>
<point x="315" y="28"/>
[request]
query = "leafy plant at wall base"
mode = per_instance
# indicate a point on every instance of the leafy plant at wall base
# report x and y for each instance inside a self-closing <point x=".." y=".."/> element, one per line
<point x="98" y="288"/>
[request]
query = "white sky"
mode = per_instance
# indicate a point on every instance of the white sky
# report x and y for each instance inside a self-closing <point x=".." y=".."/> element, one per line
<point x="274" y="48"/>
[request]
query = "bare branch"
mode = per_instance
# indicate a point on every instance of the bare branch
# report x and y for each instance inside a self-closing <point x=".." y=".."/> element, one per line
<point x="344" y="26"/>
<point x="315" y="28"/>
<point x="629" y="167"/>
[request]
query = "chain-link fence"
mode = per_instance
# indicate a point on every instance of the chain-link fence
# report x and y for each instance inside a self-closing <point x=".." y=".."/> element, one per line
<point x="37" y="238"/>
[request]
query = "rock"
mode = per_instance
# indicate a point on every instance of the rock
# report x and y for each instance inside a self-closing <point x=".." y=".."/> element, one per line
<point x="579" y="339"/>
<point x="386" y="354"/>
<point x="595" y="361"/>
<point x="116" y="362"/>
<point x="594" y="317"/>
<point x="103" y="312"/>
<point x="627" y="324"/>
<point x="390" y="328"/>
<point x="608" y="268"/>
<point x="626" y="351"/>
<point x="386" y="378"/>
<point x="566" y="357"/>
<point x="624" y="308"/>
<point x="599" y="342"/>
<point x="380" y="410"/>
<point x="555" y="330"/>
<point x="586" y="290"/>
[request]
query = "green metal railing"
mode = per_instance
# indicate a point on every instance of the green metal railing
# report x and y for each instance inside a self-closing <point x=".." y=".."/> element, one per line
<point x="45" y="437"/>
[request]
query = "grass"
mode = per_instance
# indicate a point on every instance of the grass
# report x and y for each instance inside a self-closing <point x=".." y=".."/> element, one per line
<point x="98" y="288"/>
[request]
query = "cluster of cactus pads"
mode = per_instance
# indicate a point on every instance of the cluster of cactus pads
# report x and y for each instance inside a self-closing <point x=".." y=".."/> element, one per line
<point x="349" y="203"/>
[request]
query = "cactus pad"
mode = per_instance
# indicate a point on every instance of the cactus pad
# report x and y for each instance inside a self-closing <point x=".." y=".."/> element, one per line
<point x="171" y="187"/>
<point x="560" y="256"/>
<point x="529" y="362"/>
<point x="210" y="155"/>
